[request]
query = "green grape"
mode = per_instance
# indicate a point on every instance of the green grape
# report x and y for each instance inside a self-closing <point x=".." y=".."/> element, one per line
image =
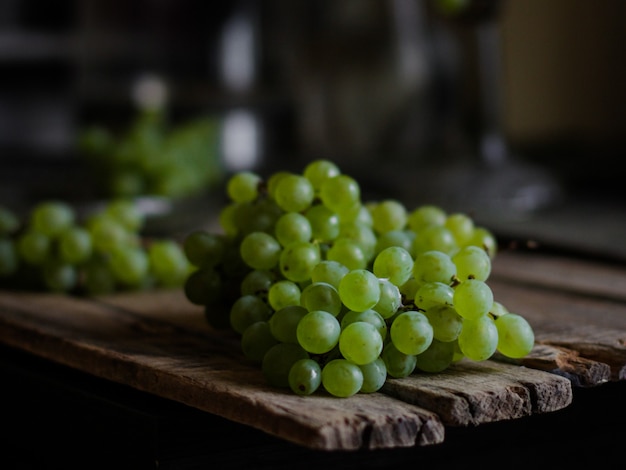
<point x="434" y="237"/>
<point x="9" y="222"/>
<point x="256" y="216"/>
<point x="318" y="332"/>
<point x="294" y="193"/>
<point x="425" y="216"/>
<point x="360" y="342"/>
<point x="305" y="377"/>
<point x="484" y="239"/>
<point x="257" y="282"/>
<point x="329" y="271"/>
<point x="127" y="213"/>
<point x="256" y="340"/>
<point x="411" y="332"/>
<point x="395" y="264"/>
<point x="498" y="309"/>
<point x="461" y="226"/>
<point x="298" y="260"/>
<point x="284" y="293"/>
<point x="247" y="310"/>
<point x="34" y="247"/>
<point x="59" y="276"/>
<point x="260" y="250"/>
<point x="107" y="233"/>
<point x="321" y="296"/>
<point x="98" y="278"/>
<point x="359" y="290"/>
<point x="227" y="218"/>
<point x="434" y="266"/>
<point x="431" y="294"/>
<point x="319" y="171"/>
<point x="284" y="323"/>
<point x="401" y="238"/>
<point x="168" y="263"/>
<point x="324" y="223"/>
<point x="342" y="378"/>
<point x="445" y="321"/>
<point x="348" y="253"/>
<point x="129" y="265"/>
<point x="74" y="245"/>
<point x="472" y="262"/>
<point x="363" y="235"/>
<point x="515" y="335"/>
<point x="243" y="186"/>
<point x="390" y="299"/>
<point x="389" y="215"/>
<point x="340" y="193"/>
<point x="278" y="361"/>
<point x="203" y="286"/>
<point x="52" y="217"/>
<point x="368" y="316"/>
<point x="359" y="214"/>
<point x="204" y="249"/>
<point x="478" y="339"/>
<point x="374" y="375"/>
<point x="438" y="357"/>
<point x="273" y="181"/>
<point x="397" y="363"/>
<point x="9" y="258"/>
<point x="473" y="298"/>
<point x="293" y="227"/>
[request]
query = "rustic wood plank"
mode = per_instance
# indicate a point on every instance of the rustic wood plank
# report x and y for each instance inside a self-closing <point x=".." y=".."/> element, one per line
<point x="471" y="393"/>
<point x="210" y="375"/>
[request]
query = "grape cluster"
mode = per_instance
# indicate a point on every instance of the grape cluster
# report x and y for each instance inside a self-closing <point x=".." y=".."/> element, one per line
<point x="53" y="250"/>
<point x="329" y="292"/>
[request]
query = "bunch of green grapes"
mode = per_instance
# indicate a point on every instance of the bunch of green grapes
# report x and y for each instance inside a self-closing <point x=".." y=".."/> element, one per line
<point x="151" y="158"/>
<point x="328" y="292"/>
<point x="53" y="250"/>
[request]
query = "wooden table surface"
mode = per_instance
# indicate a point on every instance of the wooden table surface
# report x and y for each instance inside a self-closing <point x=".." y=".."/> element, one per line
<point x="139" y="380"/>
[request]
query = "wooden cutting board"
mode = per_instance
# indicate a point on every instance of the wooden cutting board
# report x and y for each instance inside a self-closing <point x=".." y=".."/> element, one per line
<point x="159" y="343"/>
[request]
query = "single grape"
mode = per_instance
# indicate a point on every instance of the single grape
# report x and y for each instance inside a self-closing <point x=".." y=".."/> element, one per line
<point x="368" y="316"/>
<point x="257" y="282"/>
<point x="52" y="217"/>
<point x="478" y="339"/>
<point x="74" y="245"/>
<point x="294" y="193"/>
<point x="348" y="253"/>
<point x="411" y="332"/>
<point x="425" y="216"/>
<point x="395" y="264"/>
<point x="434" y="237"/>
<point x="329" y="271"/>
<point x="247" y="310"/>
<point x="321" y="296"/>
<point x="374" y="375"/>
<point x="127" y="213"/>
<point x="340" y="193"/>
<point x="260" y="250"/>
<point x="389" y="215"/>
<point x="305" y="377"/>
<point x="446" y="322"/>
<point x="203" y="286"/>
<point x="398" y="364"/>
<point x="284" y="323"/>
<point x="361" y="234"/>
<point x="360" y="342"/>
<point x="472" y="262"/>
<point x="515" y="335"/>
<point x="401" y="238"/>
<point x="256" y="340"/>
<point x="324" y="223"/>
<point x="284" y="293"/>
<point x="168" y="263"/>
<point x="438" y="357"/>
<point x="390" y="299"/>
<point x="293" y="227"/>
<point x="359" y="290"/>
<point x="434" y="266"/>
<point x="204" y="249"/>
<point x="319" y="171"/>
<point x="461" y="226"/>
<point x="243" y="186"/>
<point x="298" y="260"/>
<point x="33" y="247"/>
<point x="484" y="239"/>
<point x="318" y="332"/>
<point x="342" y="378"/>
<point x="129" y="265"/>
<point x="472" y="298"/>
<point x="431" y="294"/>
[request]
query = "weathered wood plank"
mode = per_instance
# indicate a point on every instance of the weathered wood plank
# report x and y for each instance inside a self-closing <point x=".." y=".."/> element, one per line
<point x="471" y="393"/>
<point x="207" y="373"/>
